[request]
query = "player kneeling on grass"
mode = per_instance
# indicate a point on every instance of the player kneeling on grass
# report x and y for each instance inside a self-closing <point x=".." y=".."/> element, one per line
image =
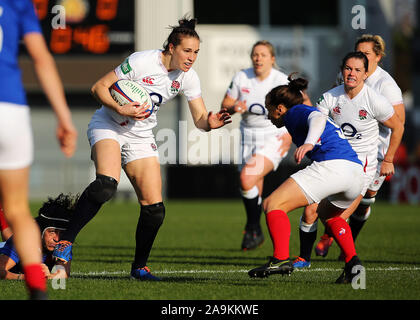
<point x="52" y="219"/>
<point x="334" y="179"/>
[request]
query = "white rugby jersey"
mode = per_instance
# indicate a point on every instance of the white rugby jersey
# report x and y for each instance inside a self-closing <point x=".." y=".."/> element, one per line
<point x="245" y="86"/>
<point x="357" y="117"/>
<point x="382" y="82"/>
<point x="146" y="68"/>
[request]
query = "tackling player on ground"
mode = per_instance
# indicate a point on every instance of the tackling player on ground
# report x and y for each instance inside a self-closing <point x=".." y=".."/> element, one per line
<point x="122" y="136"/>
<point x="52" y="219"/>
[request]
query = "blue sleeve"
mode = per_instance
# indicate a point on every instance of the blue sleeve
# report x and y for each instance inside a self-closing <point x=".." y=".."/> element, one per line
<point x="29" y="20"/>
<point x="10" y="250"/>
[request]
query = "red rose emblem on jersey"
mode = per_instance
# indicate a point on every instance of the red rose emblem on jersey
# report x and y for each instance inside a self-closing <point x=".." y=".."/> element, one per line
<point x="175" y="86"/>
<point x="362" y="114"/>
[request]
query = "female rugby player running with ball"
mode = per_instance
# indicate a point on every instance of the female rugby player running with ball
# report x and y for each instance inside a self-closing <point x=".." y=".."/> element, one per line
<point x="263" y="145"/>
<point x="122" y="136"/>
<point x="334" y="179"/>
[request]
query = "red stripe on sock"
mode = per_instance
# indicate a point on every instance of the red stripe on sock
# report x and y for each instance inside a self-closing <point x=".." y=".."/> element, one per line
<point x="279" y="226"/>
<point x="35" y="277"/>
<point x="341" y="232"/>
<point x="3" y="222"/>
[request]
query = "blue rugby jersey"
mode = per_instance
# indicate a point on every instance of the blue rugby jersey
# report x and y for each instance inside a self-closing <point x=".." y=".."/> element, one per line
<point x="332" y="143"/>
<point x="17" y="18"/>
<point x="9" y="250"/>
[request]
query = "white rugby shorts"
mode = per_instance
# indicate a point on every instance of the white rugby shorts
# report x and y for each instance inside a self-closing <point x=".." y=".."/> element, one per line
<point x="133" y="146"/>
<point x="370" y="164"/>
<point x="16" y="140"/>
<point x="263" y="143"/>
<point x="339" y="181"/>
<point x="377" y="181"/>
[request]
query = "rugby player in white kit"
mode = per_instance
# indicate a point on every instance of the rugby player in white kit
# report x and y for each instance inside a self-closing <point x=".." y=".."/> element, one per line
<point x="373" y="46"/>
<point x="358" y="109"/>
<point x="263" y="145"/>
<point x="121" y="136"/>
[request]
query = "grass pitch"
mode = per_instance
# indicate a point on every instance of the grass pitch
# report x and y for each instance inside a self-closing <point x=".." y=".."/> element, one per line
<point x="197" y="254"/>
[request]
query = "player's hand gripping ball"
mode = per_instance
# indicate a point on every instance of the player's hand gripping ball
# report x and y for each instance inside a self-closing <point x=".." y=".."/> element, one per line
<point x="126" y="91"/>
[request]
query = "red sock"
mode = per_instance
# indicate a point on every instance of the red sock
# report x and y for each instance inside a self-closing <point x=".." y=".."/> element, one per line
<point x="3" y="222"/>
<point x="279" y="226"/>
<point x="341" y="232"/>
<point x="35" y="277"/>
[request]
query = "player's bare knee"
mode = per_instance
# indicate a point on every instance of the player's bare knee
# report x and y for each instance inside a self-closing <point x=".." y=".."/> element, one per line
<point x="102" y="189"/>
<point x="247" y="181"/>
<point x="309" y="215"/>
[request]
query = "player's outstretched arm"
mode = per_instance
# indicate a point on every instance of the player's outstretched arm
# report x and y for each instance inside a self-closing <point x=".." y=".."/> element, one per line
<point x="50" y="81"/>
<point x="207" y="120"/>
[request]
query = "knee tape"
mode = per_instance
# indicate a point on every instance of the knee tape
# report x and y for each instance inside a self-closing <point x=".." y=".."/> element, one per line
<point x="367" y="201"/>
<point x="152" y="216"/>
<point x="102" y="189"/>
<point x="306" y="227"/>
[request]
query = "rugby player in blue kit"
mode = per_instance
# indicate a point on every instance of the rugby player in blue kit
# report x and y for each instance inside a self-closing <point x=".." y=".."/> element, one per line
<point x="333" y="179"/>
<point x="18" y="21"/>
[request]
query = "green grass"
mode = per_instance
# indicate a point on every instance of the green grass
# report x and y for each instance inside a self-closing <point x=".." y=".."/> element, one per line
<point x="197" y="255"/>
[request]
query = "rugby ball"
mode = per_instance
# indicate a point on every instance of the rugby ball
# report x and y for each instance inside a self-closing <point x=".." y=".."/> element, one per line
<point x="126" y="91"/>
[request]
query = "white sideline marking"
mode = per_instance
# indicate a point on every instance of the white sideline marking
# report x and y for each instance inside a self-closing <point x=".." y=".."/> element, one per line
<point x="109" y="273"/>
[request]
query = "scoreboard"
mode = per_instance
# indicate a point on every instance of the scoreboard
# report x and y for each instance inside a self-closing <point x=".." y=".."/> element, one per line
<point x="87" y="27"/>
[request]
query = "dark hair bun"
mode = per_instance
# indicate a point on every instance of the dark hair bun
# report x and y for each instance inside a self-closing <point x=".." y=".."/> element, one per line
<point x="298" y="84"/>
<point x="187" y="23"/>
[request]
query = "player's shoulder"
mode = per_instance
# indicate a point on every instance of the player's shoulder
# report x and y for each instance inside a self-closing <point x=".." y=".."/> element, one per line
<point x="190" y="75"/>
<point x="19" y="6"/>
<point x="247" y="73"/>
<point x="336" y="91"/>
<point x="279" y="76"/>
<point x="374" y="96"/>
<point x="244" y="76"/>
<point x="384" y="78"/>
<point x="146" y="55"/>
<point x="332" y="94"/>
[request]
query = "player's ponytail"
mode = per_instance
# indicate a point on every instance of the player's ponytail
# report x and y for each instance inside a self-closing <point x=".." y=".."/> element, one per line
<point x="298" y="84"/>
<point x="187" y="23"/>
<point x="288" y="95"/>
<point x="186" y="28"/>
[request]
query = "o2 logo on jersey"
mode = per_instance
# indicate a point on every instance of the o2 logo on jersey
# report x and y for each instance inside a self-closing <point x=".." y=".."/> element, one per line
<point x="153" y="96"/>
<point x="257" y="109"/>
<point x="339" y="131"/>
<point x="350" y="131"/>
